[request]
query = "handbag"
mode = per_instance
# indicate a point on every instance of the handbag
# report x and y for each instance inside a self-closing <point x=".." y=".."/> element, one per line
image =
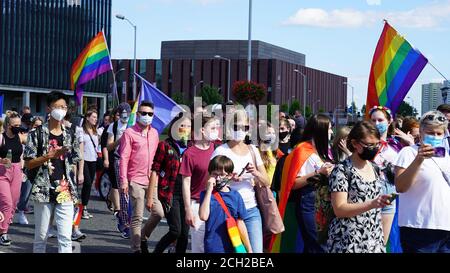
<point x="271" y="218"/>
<point x="99" y="163"/>
<point x="232" y="228"/>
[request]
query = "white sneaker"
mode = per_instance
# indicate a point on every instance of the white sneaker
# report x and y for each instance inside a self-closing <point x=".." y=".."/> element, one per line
<point x="22" y="218"/>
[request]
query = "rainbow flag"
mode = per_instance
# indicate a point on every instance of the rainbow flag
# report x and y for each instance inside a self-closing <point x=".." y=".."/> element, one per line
<point x="93" y="61"/>
<point x="395" y="67"/>
<point x="290" y="240"/>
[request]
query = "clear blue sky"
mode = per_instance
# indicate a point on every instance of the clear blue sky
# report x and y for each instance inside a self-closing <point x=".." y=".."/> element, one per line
<point x="336" y="36"/>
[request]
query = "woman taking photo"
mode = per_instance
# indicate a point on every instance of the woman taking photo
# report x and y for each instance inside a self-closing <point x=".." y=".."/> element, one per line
<point x="422" y="177"/>
<point x="249" y="174"/>
<point x="11" y="174"/>
<point x="356" y="196"/>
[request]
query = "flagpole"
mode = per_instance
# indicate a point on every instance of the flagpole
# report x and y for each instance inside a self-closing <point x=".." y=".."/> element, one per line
<point x="115" y="95"/>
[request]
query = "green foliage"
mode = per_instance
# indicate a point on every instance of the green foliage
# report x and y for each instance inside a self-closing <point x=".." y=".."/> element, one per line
<point x="178" y="98"/>
<point x="244" y="91"/>
<point x="309" y="112"/>
<point x="295" y="105"/>
<point x="284" y="107"/>
<point x="210" y="95"/>
<point x="321" y="110"/>
<point x="406" y="109"/>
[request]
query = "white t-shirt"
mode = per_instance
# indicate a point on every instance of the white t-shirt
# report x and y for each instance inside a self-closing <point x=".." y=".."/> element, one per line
<point x="121" y="127"/>
<point x="426" y="204"/>
<point x="311" y="164"/>
<point x="90" y="153"/>
<point x="245" y="187"/>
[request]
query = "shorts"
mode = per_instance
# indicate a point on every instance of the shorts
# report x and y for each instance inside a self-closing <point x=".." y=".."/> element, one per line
<point x="388" y="188"/>
<point x="113" y="173"/>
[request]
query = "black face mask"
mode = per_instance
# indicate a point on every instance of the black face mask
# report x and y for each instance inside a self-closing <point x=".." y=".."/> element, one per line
<point x="221" y="182"/>
<point x="368" y="153"/>
<point x="283" y="135"/>
<point x="15" y="130"/>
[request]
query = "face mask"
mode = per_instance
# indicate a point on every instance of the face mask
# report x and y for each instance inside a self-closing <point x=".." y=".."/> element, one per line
<point x="270" y="139"/>
<point x="368" y="153"/>
<point x="238" y="135"/>
<point x="283" y="135"/>
<point x="124" y="117"/>
<point x="221" y="182"/>
<point x="212" y="136"/>
<point x="432" y="140"/>
<point x="58" y="114"/>
<point x="382" y="127"/>
<point x="146" y="120"/>
<point x="15" y="130"/>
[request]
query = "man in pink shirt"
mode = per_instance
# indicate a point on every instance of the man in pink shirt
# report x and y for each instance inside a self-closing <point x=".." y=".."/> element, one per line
<point x="137" y="150"/>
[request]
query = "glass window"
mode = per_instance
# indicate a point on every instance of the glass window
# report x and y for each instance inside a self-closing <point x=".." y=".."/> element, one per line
<point x="158" y="74"/>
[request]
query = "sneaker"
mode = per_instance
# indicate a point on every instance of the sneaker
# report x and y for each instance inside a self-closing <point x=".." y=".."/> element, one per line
<point x="125" y="233"/>
<point x="4" y="240"/>
<point x="78" y="235"/>
<point x="144" y="246"/>
<point x="86" y="215"/>
<point x="22" y="218"/>
<point x="52" y="233"/>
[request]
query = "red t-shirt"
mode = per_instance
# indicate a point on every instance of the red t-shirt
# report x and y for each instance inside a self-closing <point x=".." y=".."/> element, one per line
<point x="195" y="164"/>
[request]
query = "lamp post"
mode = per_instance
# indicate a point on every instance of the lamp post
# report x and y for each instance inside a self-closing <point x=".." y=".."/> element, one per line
<point x="229" y="74"/>
<point x="115" y="84"/>
<point x="353" y="102"/>
<point x="121" y="17"/>
<point x="315" y="108"/>
<point x="249" y="60"/>
<point x="195" y="87"/>
<point x="304" y="89"/>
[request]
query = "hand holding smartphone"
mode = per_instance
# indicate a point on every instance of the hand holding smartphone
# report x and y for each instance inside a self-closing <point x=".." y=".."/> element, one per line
<point x="393" y="197"/>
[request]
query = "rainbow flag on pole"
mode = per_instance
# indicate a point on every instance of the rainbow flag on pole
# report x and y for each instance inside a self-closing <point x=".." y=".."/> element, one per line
<point x="395" y="67"/>
<point x="93" y="61"/>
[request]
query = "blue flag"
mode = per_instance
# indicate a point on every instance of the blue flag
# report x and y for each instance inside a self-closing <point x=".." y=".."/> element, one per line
<point x="165" y="108"/>
<point x="1" y="104"/>
<point x="394" y="245"/>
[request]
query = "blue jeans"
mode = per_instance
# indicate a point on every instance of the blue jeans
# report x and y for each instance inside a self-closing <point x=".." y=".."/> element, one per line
<point x="388" y="188"/>
<point x="416" y="240"/>
<point x="253" y="223"/>
<point x="306" y="219"/>
<point x="25" y="191"/>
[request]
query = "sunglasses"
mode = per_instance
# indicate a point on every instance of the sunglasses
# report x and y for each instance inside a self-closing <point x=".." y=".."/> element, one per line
<point x="146" y="113"/>
<point x="244" y="128"/>
<point x="435" y="117"/>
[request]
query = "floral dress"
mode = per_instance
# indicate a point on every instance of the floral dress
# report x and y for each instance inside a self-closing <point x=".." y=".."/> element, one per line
<point x="362" y="233"/>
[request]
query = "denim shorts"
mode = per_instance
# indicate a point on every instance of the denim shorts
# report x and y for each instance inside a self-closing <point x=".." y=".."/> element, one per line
<point x="388" y="188"/>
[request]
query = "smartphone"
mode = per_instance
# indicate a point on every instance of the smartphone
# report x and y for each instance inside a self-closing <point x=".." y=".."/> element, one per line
<point x="439" y="152"/>
<point x="243" y="170"/>
<point x="392" y="198"/>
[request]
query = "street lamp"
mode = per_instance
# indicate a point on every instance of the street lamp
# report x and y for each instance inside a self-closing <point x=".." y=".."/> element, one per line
<point x="121" y="17"/>
<point x="115" y="83"/>
<point x="249" y="60"/>
<point x="229" y="73"/>
<point x="304" y="89"/>
<point x="195" y="87"/>
<point x="353" y="102"/>
<point x="314" y="110"/>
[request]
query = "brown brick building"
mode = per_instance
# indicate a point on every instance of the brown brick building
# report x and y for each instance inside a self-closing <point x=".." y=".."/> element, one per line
<point x="185" y="66"/>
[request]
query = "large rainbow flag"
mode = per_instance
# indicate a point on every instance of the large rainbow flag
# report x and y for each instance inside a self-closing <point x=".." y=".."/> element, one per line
<point x="290" y="240"/>
<point x="93" y="61"/>
<point x="395" y="67"/>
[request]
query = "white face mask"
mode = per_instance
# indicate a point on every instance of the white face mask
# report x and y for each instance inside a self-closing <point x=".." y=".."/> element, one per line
<point x="58" y="114"/>
<point x="238" y="135"/>
<point x="124" y="117"/>
<point x="212" y="136"/>
<point x="146" y="120"/>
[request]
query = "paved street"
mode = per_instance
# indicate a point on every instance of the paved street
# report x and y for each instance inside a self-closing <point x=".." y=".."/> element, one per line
<point x="102" y="236"/>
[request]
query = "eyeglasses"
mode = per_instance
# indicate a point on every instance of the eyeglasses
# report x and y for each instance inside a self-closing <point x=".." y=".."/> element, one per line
<point x="244" y="128"/>
<point x="372" y="145"/>
<point x="435" y="117"/>
<point x="60" y="107"/>
<point x="150" y="114"/>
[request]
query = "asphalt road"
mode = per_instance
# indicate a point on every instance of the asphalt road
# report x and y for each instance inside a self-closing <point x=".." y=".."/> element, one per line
<point x="102" y="235"/>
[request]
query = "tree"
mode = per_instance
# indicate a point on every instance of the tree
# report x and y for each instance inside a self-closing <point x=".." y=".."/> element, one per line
<point x="210" y="95"/>
<point x="308" y="111"/>
<point x="295" y="105"/>
<point x="284" y="108"/>
<point x="178" y="98"/>
<point x="363" y="109"/>
<point x="406" y="109"/>
<point x="321" y="110"/>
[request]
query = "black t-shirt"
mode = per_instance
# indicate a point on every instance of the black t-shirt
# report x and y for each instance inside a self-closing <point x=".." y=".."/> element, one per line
<point x="58" y="164"/>
<point x="284" y="147"/>
<point x="12" y="144"/>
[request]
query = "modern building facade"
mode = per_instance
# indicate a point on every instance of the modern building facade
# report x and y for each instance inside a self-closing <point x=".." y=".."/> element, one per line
<point x="186" y="66"/>
<point x="446" y="92"/>
<point x="40" y="40"/>
<point x="431" y="96"/>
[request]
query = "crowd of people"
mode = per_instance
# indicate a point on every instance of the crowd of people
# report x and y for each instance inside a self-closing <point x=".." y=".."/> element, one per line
<point x="337" y="189"/>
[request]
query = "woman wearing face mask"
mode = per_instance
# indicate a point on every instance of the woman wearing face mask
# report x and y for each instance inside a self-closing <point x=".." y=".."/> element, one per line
<point x="356" y="196"/>
<point x="194" y="171"/>
<point x="11" y="174"/>
<point x="422" y="177"/>
<point x="166" y="176"/>
<point x="382" y="118"/>
<point x="284" y="146"/>
<point x="297" y="197"/>
<point x="87" y="166"/>
<point x="266" y="149"/>
<point x="249" y="167"/>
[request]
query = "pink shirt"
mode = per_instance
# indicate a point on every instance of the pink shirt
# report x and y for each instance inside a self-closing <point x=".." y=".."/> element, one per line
<point x="136" y="154"/>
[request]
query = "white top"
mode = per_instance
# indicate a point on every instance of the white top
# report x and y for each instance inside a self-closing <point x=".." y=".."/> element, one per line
<point x="79" y="133"/>
<point x="245" y="187"/>
<point x="121" y="127"/>
<point x="311" y="164"/>
<point x="386" y="154"/>
<point x="427" y="203"/>
<point x="90" y="153"/>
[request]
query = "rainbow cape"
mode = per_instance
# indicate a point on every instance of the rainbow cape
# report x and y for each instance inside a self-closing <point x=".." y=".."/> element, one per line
<point x="395" y="67"/>
<point x="93" y="61"/>
<point x="289" y="240"/>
